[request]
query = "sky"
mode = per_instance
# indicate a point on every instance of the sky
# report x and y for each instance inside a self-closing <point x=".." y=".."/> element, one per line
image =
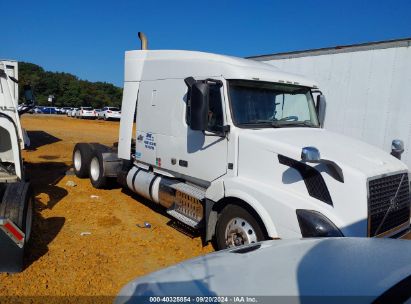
<point x="89" y="38"/>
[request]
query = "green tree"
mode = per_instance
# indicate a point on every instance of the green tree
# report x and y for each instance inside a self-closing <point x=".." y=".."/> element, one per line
<point x="69" y="90"/>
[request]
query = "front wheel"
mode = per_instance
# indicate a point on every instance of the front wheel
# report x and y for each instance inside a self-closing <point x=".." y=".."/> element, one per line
<point x="236" y="226"/>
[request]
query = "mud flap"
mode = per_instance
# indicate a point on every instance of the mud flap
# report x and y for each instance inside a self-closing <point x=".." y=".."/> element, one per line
<point x="11" y="249"/>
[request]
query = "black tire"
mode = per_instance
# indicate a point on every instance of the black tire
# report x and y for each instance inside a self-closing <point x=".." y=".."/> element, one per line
<point x="227" y="217"/>
<point x="96" y="171"/>
<point x="17" y="205"/>
<point x="81" y="161"/>
<point x="105" y="118"/>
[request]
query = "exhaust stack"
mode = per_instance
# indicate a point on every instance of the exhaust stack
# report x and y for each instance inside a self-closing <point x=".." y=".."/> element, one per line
<point x="143" y="39"/>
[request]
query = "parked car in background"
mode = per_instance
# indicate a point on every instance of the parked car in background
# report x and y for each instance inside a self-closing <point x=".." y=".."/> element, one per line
<point x="109" y="113"/>
<point x="35" y="110"/>
<point x="86" y="112"/>
<point x="65" y="110"/>
<point x="48" y="110"/>
<point x="73" y="112"/>
<point x="315" y="270"/>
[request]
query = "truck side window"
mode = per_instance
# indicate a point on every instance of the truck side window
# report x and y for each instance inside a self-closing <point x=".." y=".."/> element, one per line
<point x="215" y="113"/>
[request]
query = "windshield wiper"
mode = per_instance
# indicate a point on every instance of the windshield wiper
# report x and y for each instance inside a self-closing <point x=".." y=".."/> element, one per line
<point x="278" y="124"/>
<point x="294" y="124"/>
<point x="260" y="123"/>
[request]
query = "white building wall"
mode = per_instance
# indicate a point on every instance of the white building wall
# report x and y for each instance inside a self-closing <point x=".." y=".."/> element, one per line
<point x="368" y="92"/>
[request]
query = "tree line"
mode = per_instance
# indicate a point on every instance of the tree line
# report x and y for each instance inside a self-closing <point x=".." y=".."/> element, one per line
<point x="69" y="90"/>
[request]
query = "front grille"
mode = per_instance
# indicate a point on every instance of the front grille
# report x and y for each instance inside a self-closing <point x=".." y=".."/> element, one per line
<point x="381" y="194"/>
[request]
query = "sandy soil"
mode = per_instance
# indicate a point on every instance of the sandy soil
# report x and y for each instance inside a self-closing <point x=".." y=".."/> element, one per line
<point x="59" y="260"/>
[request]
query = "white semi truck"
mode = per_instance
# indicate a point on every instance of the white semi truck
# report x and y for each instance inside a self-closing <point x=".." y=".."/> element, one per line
<point x="236" y="148"/>
<point x="16" y="196"/>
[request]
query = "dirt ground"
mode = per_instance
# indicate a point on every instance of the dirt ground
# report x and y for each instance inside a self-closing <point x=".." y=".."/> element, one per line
<point x="62" y="262"/>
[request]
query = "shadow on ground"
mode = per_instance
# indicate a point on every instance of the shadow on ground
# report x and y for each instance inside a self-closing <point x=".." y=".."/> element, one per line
<point x="44" y="230"/>
<point x="44" y="178"/>
<point x="39" y="139"/>
<point x="188" y="231"/>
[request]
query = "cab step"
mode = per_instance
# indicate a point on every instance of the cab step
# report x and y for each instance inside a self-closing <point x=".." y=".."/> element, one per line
<point x="193" y="191"/>
<point x="184" y="219"/>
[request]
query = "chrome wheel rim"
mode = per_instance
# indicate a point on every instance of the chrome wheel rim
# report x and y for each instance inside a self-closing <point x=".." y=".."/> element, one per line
<point x="239" y="232"/>
<point x="77" y="160"/>
<point x="29" y="219"/>
<point x="94" y="169"/>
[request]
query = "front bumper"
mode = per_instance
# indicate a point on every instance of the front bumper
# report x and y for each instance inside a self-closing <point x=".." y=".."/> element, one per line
<point x="113" y="116"/>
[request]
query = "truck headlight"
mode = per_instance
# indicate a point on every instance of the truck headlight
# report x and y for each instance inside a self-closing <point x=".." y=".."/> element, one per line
<point x="315" y="224"/>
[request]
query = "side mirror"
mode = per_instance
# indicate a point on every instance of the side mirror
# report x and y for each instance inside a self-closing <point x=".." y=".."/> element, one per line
<point x="310" y="154"/>
<point x="397" y="148"/>
<point x="321" y="107"/>
<point x="199" y="100"/>
<point x="28" y="95"/>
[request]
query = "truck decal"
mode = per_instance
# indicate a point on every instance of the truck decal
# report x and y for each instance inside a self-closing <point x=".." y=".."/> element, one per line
<point x="158" y="161"/>
<point x="149" y="142"/>
<point x="313" y="179"/>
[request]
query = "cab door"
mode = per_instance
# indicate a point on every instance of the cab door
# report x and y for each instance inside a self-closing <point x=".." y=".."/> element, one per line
<point x="204" y="154"/>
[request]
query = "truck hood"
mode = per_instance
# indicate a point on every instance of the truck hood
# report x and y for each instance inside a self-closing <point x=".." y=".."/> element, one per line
<point x="299" y="268"/>
<point x="347" y="152"/>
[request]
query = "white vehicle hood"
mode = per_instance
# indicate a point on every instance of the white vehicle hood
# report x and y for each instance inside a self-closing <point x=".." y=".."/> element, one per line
<point x="347" y="152"/>
<point x="308" y="267"/>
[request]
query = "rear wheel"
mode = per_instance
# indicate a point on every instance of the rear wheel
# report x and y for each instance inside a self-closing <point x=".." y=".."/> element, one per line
<point x="17" y="205"/>
<point x="81" y="159"/>
<point x="96" y="173"/>
<point x="236" y="226"/>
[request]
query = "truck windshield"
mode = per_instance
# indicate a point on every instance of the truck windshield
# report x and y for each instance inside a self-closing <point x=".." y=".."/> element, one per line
<point x="267" y="104"/>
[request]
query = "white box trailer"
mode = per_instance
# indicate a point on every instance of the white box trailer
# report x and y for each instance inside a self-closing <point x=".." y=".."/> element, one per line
<point x="235" y="148"/>
<point x="366" y="87"/>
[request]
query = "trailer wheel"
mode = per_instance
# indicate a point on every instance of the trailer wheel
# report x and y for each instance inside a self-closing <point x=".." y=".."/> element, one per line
<point x="96" y="171"/>
<point x="236" y="226"/>
<point x="82" y="153"/>
<point x="17" y="205"/>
